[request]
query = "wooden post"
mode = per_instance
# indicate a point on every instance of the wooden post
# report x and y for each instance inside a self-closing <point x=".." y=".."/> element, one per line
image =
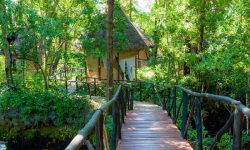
<point x="95" y="86"/>
<point x="130" y="9"/>
<point x="125" y="71"/>
<point x="99" y="134"/>
<point x="169" y="99"/>
<point x="140" y="92"/>
<point x="118" y="67"/>
<point x="198" y="122"/>
<point x="66" y="80"/>
<point x="86" y="70"/>
<point x="184" y="112"/>
<point x="237" y="130"/>
<point x="174" y="105"/>
<point x="89" y="90"/>
<point x="136" y="68"/>
<point x="118" y="114"/>
<point x="121" y="99"/>
<point x="128" y="98"/>
<point x="110" y="50"/>
<point x="132" y="100"/>
<point x="99" y="69"/>
<point x="189" y="120"/>
<point x="164" y="105"/>
<point x="114" y="128"/>
<point x="124" y="101"/>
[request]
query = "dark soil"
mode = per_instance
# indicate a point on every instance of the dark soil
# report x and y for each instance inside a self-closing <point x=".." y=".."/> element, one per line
<point x="39" y="143"/>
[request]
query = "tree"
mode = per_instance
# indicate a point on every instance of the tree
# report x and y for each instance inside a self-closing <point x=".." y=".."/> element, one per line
<point x="110" y="49"/>
<point x="46" y="32"/>
<point x="7" y="40"/>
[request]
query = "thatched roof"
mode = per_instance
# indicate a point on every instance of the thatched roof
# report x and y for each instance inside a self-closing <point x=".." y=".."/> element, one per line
<point x="136" y="39"/>
<point x="127" y="36"/>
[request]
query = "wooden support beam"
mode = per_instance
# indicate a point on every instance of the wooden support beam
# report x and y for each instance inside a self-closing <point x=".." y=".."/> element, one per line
<point x="99" y="69"/>
<point x="223" y="130"/>
<point x="95" y="88"/>
<point x="85" y="70"/>
<point x="174" y="105"/>
<point x="140" y="91"/>
<point x="118" y="67"/>
<point x="99" y="133"/>
<point x="115" y="127"/>
<point x="184" y="112"/>
<point x="237" y="129"/>
<point x="131" y="107"/>
<point x="188" y="121"/>
<point x="136" y="66"/>
<point x="198" y="123"/>
<point x="65" y="77"/>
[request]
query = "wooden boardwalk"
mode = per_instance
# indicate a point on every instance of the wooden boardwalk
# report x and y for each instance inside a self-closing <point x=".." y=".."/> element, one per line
<point x="148" y="127"/>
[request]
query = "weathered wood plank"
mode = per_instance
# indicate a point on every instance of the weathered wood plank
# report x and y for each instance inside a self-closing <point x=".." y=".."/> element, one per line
<point x="149" y="127"/>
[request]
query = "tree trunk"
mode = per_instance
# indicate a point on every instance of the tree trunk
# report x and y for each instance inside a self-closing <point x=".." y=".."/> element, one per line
<point x="202" y="25"/>
<point x="248" y="102"/>
<point x="130" y="10"/>
<point x="110" y="50"/>
<point x="7" y="51"/>
<point x="45" y="77"/>
<point x="156" y="40"/>
<point x="8" y="69"/>
<point x="46" y="83"/>
<point x="186" y="69"/>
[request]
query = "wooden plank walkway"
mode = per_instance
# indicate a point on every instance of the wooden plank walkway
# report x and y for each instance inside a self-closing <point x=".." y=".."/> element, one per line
<point x="148" y="127"/>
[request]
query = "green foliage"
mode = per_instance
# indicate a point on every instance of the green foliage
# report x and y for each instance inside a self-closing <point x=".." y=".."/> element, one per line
<point x="4" y="135"/>
<point x="221" y="65"/>
<point x="225" y="142"/>
<point x="36" y="110"/>
<point x="93" y="39"/>
<point x="109" y="127"/>
<point x="2" y="67"/>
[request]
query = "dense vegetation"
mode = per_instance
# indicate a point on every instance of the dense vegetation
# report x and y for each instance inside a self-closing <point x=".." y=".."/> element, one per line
<point x="200" y="44"/>
<point x="203" y="44"/>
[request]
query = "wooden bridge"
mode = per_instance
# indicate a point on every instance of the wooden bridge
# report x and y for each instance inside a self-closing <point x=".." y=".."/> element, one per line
<point x="140" y="126"/>
<point x="149" y="127"/>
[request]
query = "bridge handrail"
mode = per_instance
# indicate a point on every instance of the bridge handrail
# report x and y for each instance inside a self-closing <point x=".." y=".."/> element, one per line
<point x="245" y="110"/>
<point x="195" y="106"/>
<point x="119" y="105"/>
<point x="168" y="102"/>
<point x="167" y="99"/>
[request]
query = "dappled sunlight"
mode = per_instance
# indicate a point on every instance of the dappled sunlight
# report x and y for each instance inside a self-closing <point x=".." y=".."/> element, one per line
<point x="91" y="64"/>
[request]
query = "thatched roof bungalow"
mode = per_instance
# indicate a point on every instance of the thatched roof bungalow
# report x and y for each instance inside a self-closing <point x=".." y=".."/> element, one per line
<point x="130" y="49"/>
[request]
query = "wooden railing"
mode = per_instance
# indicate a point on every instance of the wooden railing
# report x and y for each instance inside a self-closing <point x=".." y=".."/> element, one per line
<point x="92" y="86"/>
<point x="122" y="99"/>
<point x="192" y="101"/>
<point x="189" y="106"/>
